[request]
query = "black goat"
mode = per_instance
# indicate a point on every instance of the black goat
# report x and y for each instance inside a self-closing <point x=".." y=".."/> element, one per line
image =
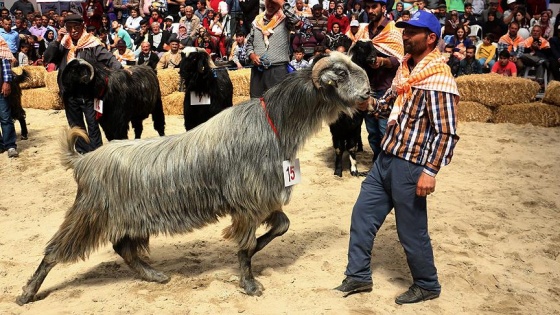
<point x="14" y="101"/>
<point x="346" y="130"/>
<point x="202" y="79"/>
<point x="129" y="95"/>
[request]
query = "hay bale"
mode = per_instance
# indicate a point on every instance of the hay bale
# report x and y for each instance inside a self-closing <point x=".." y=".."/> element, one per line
<point x="169" y="81"/>
<point x="41" y="98"/>
<point x="173" y="103"/>
<point x="494" y="90"/>
<point x="536" y="113"/>
<point x="552" y="93"/>
<point x="240" y="99"/>
<point x="50" y="81"/>
<point x="240" y="79"/>
<point x="36" y="76"/>
<point x="473" y="111"/>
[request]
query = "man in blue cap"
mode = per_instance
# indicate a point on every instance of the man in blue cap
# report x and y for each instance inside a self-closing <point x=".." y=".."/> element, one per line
<point x="420" y="137"/>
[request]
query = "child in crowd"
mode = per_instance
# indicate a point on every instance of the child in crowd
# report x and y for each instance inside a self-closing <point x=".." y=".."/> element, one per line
<point x="486" y="53"/>
<point x="504" y="66"/>
<point x="298" y="62"/>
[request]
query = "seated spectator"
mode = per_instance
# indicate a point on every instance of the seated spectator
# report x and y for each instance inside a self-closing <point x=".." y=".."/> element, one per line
<point x="123" y="54"/>
<point x="184" y="38"/>
<point x="142" y="35"/>
<point x="452" y="24"/>
<point x="536" y="52"/>
<point x="298" y="62"/>
<point x="318" y="22"/>
<point x="147" y="56"/>
<point x="168" y="25"/>
<point x="486" y="53"/>
<point x="301" y="9"/>
<point x="121" y="34"/>
<point x="208" y="42"/>
<point x="319" y="50"/>
<point x="460" y="42"/>
<point x="513" y="43"/>
<point x="352" y="33"/>
<point x="132" y="24"/>
<point x="172" y="58"/>
<point x="306" y="40"/>
<point x="504" y="66"/>
<point x="524" y="23"/>
<point x="238" y="53"/>
<point x="155" y="18"/>
<point x="494" y="25"/>
<point x="335" y="38"/>
<point x="357" y="11"/>
<point x="452" y="61"/>
<point x="469" y="65"/>
<point x="546" y="25"/>
<point x="397" y="12"/>
<point x="158" y="39"/>
<point x="340" y="18"/>
<point x="405" y="16"/>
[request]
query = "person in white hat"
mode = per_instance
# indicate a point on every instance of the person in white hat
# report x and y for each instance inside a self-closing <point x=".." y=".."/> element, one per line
<point x="509" y="14"/>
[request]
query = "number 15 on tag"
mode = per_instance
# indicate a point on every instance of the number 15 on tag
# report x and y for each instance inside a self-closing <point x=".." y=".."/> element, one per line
<point x="292" y="172"/>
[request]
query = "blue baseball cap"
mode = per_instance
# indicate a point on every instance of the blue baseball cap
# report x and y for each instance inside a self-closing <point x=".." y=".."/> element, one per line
<point x="423" y="19"/>
<point x="380" y="1"/>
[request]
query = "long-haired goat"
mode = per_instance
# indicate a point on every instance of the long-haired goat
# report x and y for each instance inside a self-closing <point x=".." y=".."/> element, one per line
<point x="14" y="101"/>
<point x="129" y="95"/>
<point x="202" y="78"/>
<point x="131" y="190"/>
<point x="346" y="131"/>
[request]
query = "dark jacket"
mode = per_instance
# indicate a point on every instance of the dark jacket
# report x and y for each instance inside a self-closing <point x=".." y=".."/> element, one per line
<point x="152" y="61"/>
<point x="56" y="53"/>
<point x="164" y="39"/>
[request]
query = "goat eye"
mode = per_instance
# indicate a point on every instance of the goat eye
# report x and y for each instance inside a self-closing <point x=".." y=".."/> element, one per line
<point x="342" y="73"/>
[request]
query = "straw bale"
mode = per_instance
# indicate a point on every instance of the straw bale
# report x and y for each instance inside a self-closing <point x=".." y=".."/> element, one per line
<point x="168" y="81"/>
<point x="41" y="98"/>
<point x="50" y="81"/>
<point x="240" y="99"/>
<point x="473" y="111"/>
<point x="36" y="76"/>
<point x="495" y="90"/>
<point x="536" y="113"/>
<point x="240" y="79"/>
<point x="552" y="93"/>
<point x="173" y="103"/>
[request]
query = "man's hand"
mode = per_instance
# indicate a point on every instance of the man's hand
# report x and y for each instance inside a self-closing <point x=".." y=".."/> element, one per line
<point x="256" y="59"/>
<point x="61" y="32"/>
<point x="6" y="89"/>
<point x="426" y="185"/>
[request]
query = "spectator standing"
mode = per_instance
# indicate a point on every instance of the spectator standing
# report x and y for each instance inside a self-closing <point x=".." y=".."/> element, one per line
<point x="8" y="136"/>
<point x="11" y="37"/>
<point x="24" y="5"/>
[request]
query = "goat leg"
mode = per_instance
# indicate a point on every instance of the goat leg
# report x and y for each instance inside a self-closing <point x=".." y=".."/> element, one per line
<point x="128" y="249"/>
<point x="279" y="224"/>
<point x="338" y="161"/>
<point x="23" y="125"/>
<point x="138" y="127"/>
<point x="33" y="285"/>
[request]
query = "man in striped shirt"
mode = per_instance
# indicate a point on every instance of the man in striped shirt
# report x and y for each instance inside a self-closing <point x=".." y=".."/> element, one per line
<point x="420" y="137"/>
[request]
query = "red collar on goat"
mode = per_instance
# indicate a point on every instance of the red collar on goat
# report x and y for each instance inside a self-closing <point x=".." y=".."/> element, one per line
<point x="269" y="119"/>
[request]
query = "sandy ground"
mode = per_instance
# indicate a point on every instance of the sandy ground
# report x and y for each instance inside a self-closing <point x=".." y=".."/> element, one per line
<point x="494" y="222"/>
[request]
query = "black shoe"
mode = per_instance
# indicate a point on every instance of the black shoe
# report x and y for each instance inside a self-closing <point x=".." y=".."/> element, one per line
<point x="416" y="294"/>
<point x="350" y="286"/>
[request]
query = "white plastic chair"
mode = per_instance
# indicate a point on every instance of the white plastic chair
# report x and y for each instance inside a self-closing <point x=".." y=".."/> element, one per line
<point x="477" y="29"/>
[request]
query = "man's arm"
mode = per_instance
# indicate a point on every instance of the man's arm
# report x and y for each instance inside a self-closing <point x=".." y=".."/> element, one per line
<point x="102" y="55"/>
<point x="443" y="119"/>
<point x="53" y="53"/>
<point x="7" y="77"/>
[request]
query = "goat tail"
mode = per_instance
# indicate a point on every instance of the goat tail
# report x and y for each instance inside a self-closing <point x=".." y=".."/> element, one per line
<point x="68" y="141"/>
<point x="82" y="231"/>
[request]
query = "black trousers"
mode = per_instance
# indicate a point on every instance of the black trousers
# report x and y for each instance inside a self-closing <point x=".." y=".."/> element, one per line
<point x="78" y="108"/>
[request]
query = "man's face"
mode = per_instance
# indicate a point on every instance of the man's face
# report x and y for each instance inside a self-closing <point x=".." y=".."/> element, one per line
<point x="442" y="11"/>
<point x="45" y="21"/>
<point x="469" y="53"/>
<point x="182" y="8"/>
<point x="114" y="25"/>
<point x="503" y="61"/>
<point x="492" y="6"/>
<point x="174" y="47"/>
<point x="121" y="49"/>
<point x="18" y="24"/>
<point x="513" y="28"/>
<point x="405" y="17"/>
<point x="145" y="47"/>
<point x="271" y="7"/>
<point x="317" y="13"/>
<point x="75" y="30"/>
<point x="4" y="14"/>
<point x="414" y="40"/>
<point x="7" y="25"/>
<point x="374" y="11"/>
<point x="298" y="56"/>
<point x="299" y="4"/>
<point x="189" y="13"/>
<point x="18" y="13"/>
<point x="536" y="32"/>
<point x="420" y="5"/>
<point x="155" y="28"/>
<point x="468" y="10"/>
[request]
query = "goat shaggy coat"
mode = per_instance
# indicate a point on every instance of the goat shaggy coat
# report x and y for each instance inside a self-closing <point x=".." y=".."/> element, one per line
<point x="129" y="95"/>
<point x="131" y="190"/>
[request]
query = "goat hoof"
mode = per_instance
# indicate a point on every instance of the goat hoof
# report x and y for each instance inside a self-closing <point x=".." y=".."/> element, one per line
<point x="24" y="299"/>
<point x="338" y="173"/>
<point x="252" y="287"/>
<point x="355" y="173"/>
<point x="157" y="276"/>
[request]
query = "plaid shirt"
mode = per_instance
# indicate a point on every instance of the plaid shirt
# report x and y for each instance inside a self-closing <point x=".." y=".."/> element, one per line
<point x="425" y="132"/>
<point x="6" y="71"/>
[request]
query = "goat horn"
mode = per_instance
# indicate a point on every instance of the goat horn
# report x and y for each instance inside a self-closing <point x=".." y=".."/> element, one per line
<point x="210" y="62"/>
<point x="87" y="64"/>
<point x="321" y="65"/>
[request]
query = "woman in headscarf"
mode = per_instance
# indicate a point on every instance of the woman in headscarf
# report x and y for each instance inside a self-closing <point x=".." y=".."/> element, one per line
<point x="335" y="38"/>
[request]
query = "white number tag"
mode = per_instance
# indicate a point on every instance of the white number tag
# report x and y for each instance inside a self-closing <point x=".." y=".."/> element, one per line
<point x="200" y="100"/>
<point x="98" y="105"/>
<point x="292" y="172"/>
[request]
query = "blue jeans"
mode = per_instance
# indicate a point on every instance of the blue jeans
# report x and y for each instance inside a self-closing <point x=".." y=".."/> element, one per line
<point x="376" y="128"/>
<point x="391" y="183"/>
<point x="8" y="137"/>
<point x="490" y="63"/>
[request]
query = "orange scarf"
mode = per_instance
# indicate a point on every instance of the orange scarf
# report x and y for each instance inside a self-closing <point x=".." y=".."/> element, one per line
<point x="128" y="55"/>
<point x="544" y="43"/>
<point x="359" y="34"/>
<point x="268" y="29"/>
<point x="431" y="73"/>
<point x="388" y="41"/>
<point x="5" y="52"/>
<point x="512" y="44"/>
<point x="86" y="41"/>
